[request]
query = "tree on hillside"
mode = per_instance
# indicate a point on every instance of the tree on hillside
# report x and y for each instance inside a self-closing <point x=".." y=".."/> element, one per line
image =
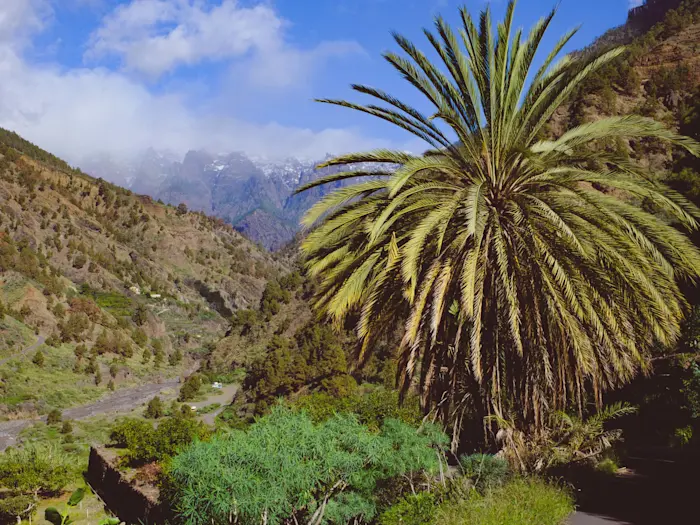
<point x="190" y="388"/>
<point x="523" y="273"/>
<point x="39" y="359"/>
<point x="140" y="315"/>
<point x="155" y="408"/>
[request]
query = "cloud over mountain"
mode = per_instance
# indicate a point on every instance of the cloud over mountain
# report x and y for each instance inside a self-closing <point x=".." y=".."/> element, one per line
<point x="102" y="105"/>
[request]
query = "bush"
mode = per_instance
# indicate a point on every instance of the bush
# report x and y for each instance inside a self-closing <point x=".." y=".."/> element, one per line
<point x="146" y="444"/>
<point x="486" y="471"/>
<point x="126" y="432"/>
<point x="518" y="502"/>
<point x="140" y="315"/>
<point x="209" y="408"/>
<point x="175" y="358"/>
<point x="415" y="509"/>
<point x="284" y="464"/>
<point x="35" y="469"/>
<point x="54" y="417"/>
<point x="67" y="427"/>
<point x="80" y="351"/>
<point x="371" y="408"/>
<point x="155" y="408"/>
<point x="23" y="506"/>
<point x="190" y="388"/>
<point x="38" y="359"/>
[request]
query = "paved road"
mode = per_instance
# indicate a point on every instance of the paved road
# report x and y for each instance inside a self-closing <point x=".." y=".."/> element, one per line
<point x="39" y="342"/>
<point x="585" y="518"/>
<point x="654" y="491"/>
<point x="122" y="400"/>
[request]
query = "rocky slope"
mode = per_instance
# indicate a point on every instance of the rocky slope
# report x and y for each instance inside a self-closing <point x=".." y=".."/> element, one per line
<point x="122" y="288"/>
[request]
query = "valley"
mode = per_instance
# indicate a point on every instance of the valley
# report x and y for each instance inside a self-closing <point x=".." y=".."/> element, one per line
<point x="492" y="330"/>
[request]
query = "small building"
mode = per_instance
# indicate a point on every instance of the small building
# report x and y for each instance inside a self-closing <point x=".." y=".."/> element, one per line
<point x="155" y="296"/>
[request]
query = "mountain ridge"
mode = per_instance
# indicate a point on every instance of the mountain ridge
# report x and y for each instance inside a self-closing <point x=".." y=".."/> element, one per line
<point x="254" y="194"/>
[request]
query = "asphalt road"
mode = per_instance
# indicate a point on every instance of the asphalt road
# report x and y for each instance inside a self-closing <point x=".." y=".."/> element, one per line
<point x="585" y="518"/>
<point x="654" y="490"/>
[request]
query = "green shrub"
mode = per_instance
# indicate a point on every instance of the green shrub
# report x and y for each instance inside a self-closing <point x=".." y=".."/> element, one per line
<point x="683" y="435"/>
<point x="39" y="359"/>
<point x="175" y="358"/>
<point x="67" y="427"/>
<point x="415" y="509"/>
<point x="607" y="466"/>
<point x="35" y="469"/>
<point x="518" y="502"/>
<point x="209" y="408"/>
<point x="11" y="507"/>
<point x="127" y="431"/>
<point x="155" y="408"/>
<point x="485" y="471"/>
<point x="146" y="444"/>
<point x="54" y="417"/>
<point x="190" y="388"/>
<point x="371" y="407"/>
<point x="139" y="337"/>
<point x="140" y="315"/>
<point x="285" y="464"/>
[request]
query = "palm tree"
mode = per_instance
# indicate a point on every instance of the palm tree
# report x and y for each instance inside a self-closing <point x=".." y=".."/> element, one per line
<point x="523" y="273"/>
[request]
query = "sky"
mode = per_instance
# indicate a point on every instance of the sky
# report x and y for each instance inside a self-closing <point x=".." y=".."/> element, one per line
<point x="85" y="77"/>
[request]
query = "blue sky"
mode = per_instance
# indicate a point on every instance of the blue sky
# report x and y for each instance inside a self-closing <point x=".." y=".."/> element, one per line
<point x="121" y="75"/>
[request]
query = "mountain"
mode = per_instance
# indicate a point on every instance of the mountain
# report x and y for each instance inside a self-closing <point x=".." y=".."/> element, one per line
<point x="109" y="279"/>
<point x="255" y="195"/>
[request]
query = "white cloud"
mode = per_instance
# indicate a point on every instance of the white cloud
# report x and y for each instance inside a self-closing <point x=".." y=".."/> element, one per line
<point x="19" y="19"/>
<point x="80" y="112"/>
<point x="158" y="36"/>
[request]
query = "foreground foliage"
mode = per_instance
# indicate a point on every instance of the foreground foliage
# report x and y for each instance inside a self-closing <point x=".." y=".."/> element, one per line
<point x="567" y="440"/>
<point x="371" y="406"/>
<point x="518" y="502"/>
<point x="145" y="444"/>
<point x="524" y="271"/>
<point x="286" y="469"/>
<point x="35" y="469"/>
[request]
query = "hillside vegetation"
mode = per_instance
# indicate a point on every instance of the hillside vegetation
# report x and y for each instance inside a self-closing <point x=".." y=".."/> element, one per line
<point x="122" y="288"/>
<point x="471" y="334"/>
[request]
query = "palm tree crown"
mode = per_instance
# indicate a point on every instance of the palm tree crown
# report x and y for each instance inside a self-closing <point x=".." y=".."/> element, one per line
<point x="522" y="271"/>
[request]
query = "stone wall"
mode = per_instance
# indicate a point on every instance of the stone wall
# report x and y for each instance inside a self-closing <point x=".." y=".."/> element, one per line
<point x="123" y="496"/>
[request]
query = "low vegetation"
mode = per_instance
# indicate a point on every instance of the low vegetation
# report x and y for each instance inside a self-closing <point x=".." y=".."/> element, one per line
<point x="518" y="502"/>
<point x="145" y="443"/>
<point x="286" y="467"/>
<point x="513" y="281"/>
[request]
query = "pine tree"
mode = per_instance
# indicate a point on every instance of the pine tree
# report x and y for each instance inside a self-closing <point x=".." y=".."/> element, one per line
<point x="38" y="359"/>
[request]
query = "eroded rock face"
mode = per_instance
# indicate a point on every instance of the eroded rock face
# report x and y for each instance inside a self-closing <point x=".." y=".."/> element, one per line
<point x="130" y="501"/>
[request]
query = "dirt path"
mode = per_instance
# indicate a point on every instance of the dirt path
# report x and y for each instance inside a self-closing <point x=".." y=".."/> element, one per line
<point x="224" y="398"/>
<point x="39" y="342"/>
<point x="120" y="401"/>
